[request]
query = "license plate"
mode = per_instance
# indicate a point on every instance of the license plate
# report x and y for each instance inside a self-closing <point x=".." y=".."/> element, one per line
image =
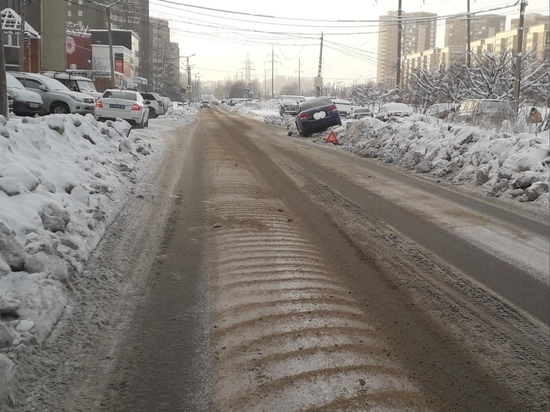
<point x="117" y="106"/>
<point x="34" y="105"/>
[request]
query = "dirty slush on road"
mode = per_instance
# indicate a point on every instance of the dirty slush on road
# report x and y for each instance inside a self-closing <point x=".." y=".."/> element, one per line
<point x="265" y="290"/>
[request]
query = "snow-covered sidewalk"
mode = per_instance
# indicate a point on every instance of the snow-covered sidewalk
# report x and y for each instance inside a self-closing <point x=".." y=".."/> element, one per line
<point x="63" y="180"/>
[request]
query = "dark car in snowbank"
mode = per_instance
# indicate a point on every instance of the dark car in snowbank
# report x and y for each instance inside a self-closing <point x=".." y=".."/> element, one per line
<point x="317" y="115"/>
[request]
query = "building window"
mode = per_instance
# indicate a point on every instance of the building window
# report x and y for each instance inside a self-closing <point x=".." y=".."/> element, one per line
<point x="11" y="40"/>
<point x="79" y="13"/>
<point x="69" y="13"/>
<point x="80" y="2"/>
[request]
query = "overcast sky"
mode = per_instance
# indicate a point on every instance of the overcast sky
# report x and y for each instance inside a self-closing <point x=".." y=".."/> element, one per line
<point x="222" y="34"/>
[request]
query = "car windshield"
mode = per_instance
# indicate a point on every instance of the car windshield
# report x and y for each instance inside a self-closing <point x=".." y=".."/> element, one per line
<point x="53" y="84"/>
<point x="13" y="82"/>
<point x="86" y="86"/>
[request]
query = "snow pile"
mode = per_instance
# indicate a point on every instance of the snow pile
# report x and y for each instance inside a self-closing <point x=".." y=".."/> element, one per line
<point x="63" y="179"/>
<point x="285" y="121"/>
<point x="515" y="166"/>
<point x="183" y="114"/>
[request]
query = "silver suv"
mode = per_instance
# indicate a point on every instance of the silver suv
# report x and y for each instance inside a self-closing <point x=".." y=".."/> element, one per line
<point x="57" y="98"/>
<point x="76" y="83"/>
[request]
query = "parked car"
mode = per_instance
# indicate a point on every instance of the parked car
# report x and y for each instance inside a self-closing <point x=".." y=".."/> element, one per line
<point x="177" y="105"/>
<point x="205" y="104"/>
<point x="479" y="111"/>
<point x="317" y="115"/>
<point x="440" y="110"/>
<point x="344" y="106"/>
<point x="122" y="104"/>
<point x="290" y="104"/>
<point x="156" y="105"/>
<point x="56" y="97"/>
<point x="75" y="83"/>
<point x="289" y="107"/>
<point x="360" y="112"/>
<point x="10" y="103"/>
<point x="25" y="102"/>
<point x="393" y="110"/>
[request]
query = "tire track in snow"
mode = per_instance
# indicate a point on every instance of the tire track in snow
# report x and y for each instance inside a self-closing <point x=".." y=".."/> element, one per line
<point x="287" y="334"/>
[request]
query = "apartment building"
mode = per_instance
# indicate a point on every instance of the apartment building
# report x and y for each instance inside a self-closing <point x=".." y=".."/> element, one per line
<point x="418" y="34"/>
<point x="481" y="26"/>
<point x="165" y="60"/>
<point x="536" y="42"/>
<point x="530" y="19"/>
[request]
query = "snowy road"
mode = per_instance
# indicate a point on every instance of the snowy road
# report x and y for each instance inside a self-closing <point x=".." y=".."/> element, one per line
<point x="257" y="272"/>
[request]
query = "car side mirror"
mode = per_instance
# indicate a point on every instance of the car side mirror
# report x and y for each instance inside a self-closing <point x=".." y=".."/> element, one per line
<point x="42" y="87"/>
<point x="147" y="102"/>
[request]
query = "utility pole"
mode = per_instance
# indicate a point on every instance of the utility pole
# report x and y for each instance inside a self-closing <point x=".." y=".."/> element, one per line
<point x="188" y="67"/>
<point x="519" y="53"/>
<point x="4" y="107"/>
<point x="22" y="14"/>
<point x="319" y="78"/>
<point x="272" y="71"/>
<point x="468" y="35"/>
<point x="107" y="8"/>
<point x="399" y="35"/>
<point x="299" y="73"/>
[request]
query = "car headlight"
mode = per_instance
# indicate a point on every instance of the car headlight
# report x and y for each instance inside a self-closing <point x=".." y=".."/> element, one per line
<point x="77" y="98"/>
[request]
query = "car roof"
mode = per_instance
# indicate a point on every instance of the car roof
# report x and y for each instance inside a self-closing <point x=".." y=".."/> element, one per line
<point x="397" y="106"/>
<point x="341" y="101"/>
<point x="316" y="102"/>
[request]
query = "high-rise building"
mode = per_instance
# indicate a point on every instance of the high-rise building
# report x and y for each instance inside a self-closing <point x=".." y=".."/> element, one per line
<point x="127" y="15"/>
<point x="418" y="34"/>
<point x="162" y="56"/>
<point x="482" y="26"/>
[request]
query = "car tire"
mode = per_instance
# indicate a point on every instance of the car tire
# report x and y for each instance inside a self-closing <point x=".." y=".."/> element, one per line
<point x="59" y="108"/>
<point x="152" y="113"/>
<point x="146" y="124"/>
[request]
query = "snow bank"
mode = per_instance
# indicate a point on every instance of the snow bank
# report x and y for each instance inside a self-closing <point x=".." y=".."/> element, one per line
<point x="63" y="179"/>
<point x="515" y="166"/>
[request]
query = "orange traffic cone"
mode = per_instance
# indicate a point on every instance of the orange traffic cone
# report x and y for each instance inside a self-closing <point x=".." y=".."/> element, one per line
<point x="331" y="138"/>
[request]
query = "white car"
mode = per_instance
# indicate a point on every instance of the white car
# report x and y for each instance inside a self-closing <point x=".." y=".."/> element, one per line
<point x="394" y="110"/>
<point x="343" y="105"/>
<point x="128" y="105"/>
